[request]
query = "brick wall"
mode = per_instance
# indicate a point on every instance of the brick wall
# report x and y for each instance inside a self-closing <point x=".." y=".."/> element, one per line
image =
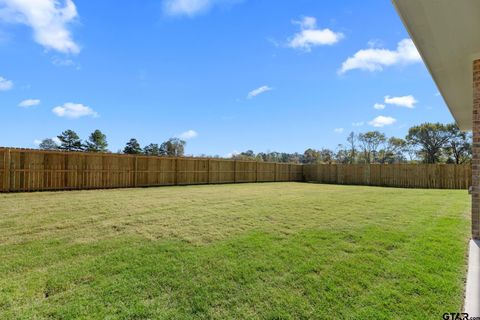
<point x="476" y="152"/>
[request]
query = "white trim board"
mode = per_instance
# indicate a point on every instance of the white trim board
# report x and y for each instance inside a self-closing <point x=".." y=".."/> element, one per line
<point x="472" y="290"/>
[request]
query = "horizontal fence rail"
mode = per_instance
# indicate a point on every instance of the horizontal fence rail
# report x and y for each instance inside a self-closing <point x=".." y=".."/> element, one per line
<point x="432" y="176"/>
<point x="34" y="170"/>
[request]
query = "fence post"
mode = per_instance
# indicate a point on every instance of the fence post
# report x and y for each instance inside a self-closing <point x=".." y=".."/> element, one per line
<point x="176" y="172"/>
<point x="337" y="173"/>
<point x="66" y="171"/>
<point x="275" y="173"/>
<point x="102" y="175"/>
<point x="234" y="171"/>
<point x="256" y="171"/>
<point x="367" y="174"/>
<point x="208" y="171"/>
<point x="135" y="172"/>
<point x="6" y="171"/>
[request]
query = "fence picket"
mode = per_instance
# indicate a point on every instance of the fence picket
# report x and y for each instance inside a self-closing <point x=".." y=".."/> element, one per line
<point x="37" y="170"/>
<point x="32" y="170"/>
<point x="438" y="176"/>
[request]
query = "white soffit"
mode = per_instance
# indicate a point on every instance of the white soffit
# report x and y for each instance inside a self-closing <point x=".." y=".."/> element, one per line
<point x="447" y="35"/>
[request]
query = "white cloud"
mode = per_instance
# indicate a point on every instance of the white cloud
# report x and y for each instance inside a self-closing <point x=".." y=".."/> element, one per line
<point x="37" y="142"/>
<point x="187" y="135"/>
<point x="74" y="110"/>
<point x="192" y="7"/>
<point x="404" y="101"/>
<point x="258" y="91"/>
<point x="29" y="103"/>
<point x="338" y="130"/>
<point x="274" y="42"/>
<point x="49" y="20"/>
<point x="231" y="154"/>
<point x="310" y="36"/>
<point x="375" y="43"/>
<point x="186" y="7"/>
<point x="62" y="62"/>
<point x="382" y="121"/>
<point x="379" y="106"/>
<point x="375" y="59"/>
<point x="358" y="124"/>
<point x="5" y="84"/>
<point x="307" y="23"/>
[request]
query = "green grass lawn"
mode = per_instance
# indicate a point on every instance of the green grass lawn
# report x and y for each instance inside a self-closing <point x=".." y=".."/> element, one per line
<point x="265" y="251"/>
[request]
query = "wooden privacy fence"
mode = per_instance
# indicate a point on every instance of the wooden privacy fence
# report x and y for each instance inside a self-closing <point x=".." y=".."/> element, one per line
<point x="434" y="176"/>
<point x="34" y="170"/>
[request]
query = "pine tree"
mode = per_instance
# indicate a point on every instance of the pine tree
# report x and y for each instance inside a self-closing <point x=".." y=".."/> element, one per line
<point x="70" y="141"/>
<point x="97" y="142"/>
<point x="132" y="147"/>
<point x="152" y="150"/>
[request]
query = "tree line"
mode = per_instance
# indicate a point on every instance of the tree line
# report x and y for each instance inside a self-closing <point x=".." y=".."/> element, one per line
<point x="425" y="143"/>
<point x="69" y="140"/>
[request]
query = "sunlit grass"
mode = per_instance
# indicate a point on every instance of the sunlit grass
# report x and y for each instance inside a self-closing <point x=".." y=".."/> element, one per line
<point x="274" y="250"/>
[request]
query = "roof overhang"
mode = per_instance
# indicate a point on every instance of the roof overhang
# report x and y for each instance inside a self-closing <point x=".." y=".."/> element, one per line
<point x="447" y="35"/>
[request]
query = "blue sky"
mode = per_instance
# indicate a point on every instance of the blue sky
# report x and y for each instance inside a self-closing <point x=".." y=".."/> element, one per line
<point x="226" y="75"/>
